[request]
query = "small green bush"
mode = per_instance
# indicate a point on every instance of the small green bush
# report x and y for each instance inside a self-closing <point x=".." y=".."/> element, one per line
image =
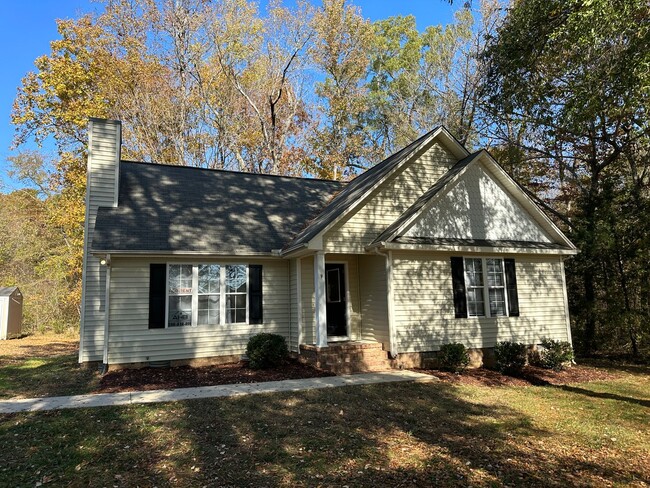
<point x="453" y="356"/>
<point x="554" y="355"/>
<point x="266" y="350"/>
<point x="510" y="357"/>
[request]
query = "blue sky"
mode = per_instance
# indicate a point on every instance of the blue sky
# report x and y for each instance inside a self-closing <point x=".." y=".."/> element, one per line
<point x="28" y="26"/>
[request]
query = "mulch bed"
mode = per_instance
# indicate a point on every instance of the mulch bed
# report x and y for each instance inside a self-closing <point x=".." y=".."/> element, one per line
<point x="531" y="375"/>
<point x="186" y="376"/>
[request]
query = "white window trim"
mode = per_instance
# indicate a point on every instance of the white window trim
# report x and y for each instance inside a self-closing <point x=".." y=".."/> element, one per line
<point x="195" y="307"/>
<point x="486" y="288"/>
<point x="195" y="294"/>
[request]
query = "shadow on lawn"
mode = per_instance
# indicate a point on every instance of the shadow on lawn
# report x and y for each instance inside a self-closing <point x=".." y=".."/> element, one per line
<point x="45" y="376"/>
<point x="380" y="435"/>
<point x="619" y="366"/>
<point x="604" y="395"/>
<point x="15" y="349"/>
<point x="383" y="435"/>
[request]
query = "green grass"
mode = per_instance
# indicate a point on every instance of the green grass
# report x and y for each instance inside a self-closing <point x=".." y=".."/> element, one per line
<point x="44" y="376"/>
<point x="591" y="434"/>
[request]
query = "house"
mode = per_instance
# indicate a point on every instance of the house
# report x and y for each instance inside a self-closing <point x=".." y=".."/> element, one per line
<point x="430" y="246"/>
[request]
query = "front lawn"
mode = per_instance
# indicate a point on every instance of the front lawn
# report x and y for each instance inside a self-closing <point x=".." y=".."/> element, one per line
<point x="408" y="435"/>
<point x="43" y="365"/>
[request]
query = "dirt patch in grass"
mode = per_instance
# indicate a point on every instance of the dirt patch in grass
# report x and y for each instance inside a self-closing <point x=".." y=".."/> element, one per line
<point x="531" y="375"/>
<point x="38" y="346"/>
<point x="186" y="376"/>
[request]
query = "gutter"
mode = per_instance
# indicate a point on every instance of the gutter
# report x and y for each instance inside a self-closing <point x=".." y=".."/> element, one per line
<point x="294" y="248"/>
<point x="274" y="253"/>
<point x="391" y="246"/>
<point x="106" y="261"/>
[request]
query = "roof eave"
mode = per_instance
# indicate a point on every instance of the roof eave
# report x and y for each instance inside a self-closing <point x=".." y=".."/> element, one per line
<point x="152" y="253"/>
<point x="397" y="246"/>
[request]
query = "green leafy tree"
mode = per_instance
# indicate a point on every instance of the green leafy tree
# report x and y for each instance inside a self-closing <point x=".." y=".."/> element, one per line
<point x="568" y="86"/>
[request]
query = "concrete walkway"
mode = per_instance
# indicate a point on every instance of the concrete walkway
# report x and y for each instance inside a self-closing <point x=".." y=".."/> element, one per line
<point x="154" y="396"/>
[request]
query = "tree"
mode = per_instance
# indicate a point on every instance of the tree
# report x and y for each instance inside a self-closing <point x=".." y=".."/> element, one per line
<point x="340" y="143"/>
<point x="421" y="80"/>
<point x="568" y="87"/>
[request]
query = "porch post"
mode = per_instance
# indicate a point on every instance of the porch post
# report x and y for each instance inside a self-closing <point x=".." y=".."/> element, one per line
<point x="391" y="308"/>
<point x="319" y="298"/>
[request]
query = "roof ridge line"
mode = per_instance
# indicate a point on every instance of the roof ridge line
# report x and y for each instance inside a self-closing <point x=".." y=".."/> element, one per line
<point x="219" y="170"/>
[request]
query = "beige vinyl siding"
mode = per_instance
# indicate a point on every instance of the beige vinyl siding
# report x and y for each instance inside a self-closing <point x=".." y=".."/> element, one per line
<point x="102" y="174"/>
<point x="374" y="299"/>
<point x="131" y="340"/>
<point x="478" y="207"/>
<point x="424" y="307"/>
<point x="293" y="298"/>
<point x="389" y="201"/>
<point x="308" y="319"/>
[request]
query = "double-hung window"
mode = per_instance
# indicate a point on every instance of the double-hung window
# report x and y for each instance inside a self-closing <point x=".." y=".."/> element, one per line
<point x="207" y="294"/>
<point x="496" y="287"/>
<point x="475" y="287"/>
<point x="484" y="287"/>
<point x="181" y="292"/>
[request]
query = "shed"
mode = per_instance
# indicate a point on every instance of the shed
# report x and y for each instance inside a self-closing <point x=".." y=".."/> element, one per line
<point x="11" y="312"/>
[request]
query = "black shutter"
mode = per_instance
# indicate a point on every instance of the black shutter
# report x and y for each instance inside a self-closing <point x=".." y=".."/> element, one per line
<point x="157" y="287"/>
<point x="511" y="287"/>
<point x="255" y="313"/>
<point x="458" y="280"/>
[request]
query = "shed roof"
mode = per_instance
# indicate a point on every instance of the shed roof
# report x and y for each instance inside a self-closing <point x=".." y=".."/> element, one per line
<point x="7" y="291"/>
<point x="165" y="208"/>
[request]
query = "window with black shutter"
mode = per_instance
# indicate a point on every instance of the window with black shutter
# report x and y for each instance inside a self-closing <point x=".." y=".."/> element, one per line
<point x="157" y="295"/>
<point x="255" y="308"/>
<point x="184" y="295"/>
<point x="484" y="287"/>
<point x="458" y="282"/>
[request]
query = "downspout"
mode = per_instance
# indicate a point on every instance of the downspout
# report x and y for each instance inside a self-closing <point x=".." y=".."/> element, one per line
<point x="106" y="261"/>
<point x="389" y="292"/>
<point x="299" y="301"/>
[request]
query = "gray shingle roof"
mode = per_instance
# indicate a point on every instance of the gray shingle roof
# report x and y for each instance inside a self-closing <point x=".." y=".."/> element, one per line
<point x="176" y="208"/>
<point x="455" y="170"/>
<point x="354" y="191"/>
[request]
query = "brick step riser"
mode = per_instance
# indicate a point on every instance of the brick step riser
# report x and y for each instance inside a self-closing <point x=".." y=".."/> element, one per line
<point x="348" y="358"/>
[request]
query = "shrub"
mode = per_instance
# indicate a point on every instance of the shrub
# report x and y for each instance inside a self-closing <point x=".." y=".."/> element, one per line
<point x="266" y="350"/>
<point x="510" y="357"/>
<point x="554" y="354"/>
<point x="453" y="356"/>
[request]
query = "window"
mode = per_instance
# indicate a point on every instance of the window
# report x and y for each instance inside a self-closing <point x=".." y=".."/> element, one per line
<point x="496" y="287"/>
<point x="180" y="295"/>
<point x="206" y="294"/>
<point x="475" y="287"/>
<point x="484" y="287"/>
<point x="209" y="306"/>
<point x="236" y="294"/>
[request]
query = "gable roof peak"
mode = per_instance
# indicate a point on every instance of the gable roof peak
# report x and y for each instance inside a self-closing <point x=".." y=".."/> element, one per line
<point x="361" y="186"/>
